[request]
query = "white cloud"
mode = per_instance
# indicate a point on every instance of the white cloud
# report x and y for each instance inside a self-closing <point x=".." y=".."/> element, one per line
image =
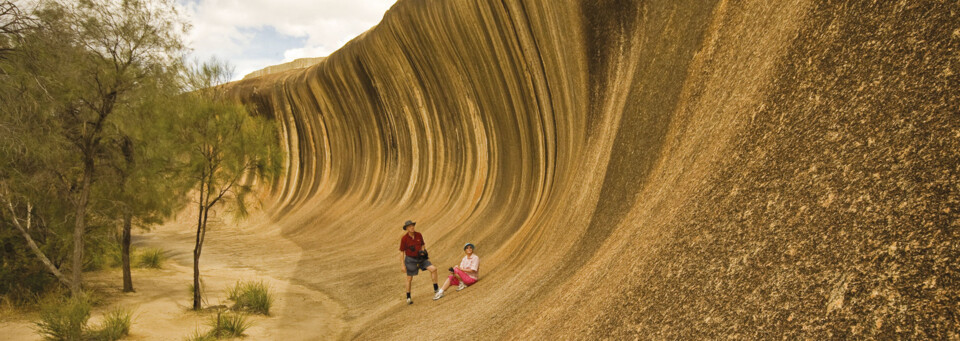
<point x="253" y="34"/>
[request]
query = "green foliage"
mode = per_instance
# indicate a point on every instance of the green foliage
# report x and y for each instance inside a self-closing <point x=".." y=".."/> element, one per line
<point x="63" y="318"/>
<point x="252" y="296"/>
<point x="228" y="150"/>
<point x="115" y="325"/>
<point x="22" y="277"/>
<point x="150" y="258"/>
<point x="100" y="249"/>
<point x="78" y="79"/>
<point x="114" y="258"/>
<point x="227" y="324"/>
<point x="223" y="325"/>
<point x="200" y="336"/>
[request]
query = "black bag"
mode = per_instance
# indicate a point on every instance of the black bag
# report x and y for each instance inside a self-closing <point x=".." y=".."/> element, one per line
<point x="423" y="255"/>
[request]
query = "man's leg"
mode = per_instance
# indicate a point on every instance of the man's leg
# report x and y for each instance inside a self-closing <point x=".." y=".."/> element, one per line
<point x="433" y="276"/>
<point x="409" y="280"/>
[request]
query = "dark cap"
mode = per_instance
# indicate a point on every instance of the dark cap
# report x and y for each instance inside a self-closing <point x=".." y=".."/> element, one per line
<point x="470" y="245"/>
<point x="408" y="223"/>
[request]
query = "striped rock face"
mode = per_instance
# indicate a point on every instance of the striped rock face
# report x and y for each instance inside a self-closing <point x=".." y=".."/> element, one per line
<point x="632" y="169"/>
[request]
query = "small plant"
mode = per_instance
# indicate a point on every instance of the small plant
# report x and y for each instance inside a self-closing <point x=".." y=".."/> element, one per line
<point x="116" y="325"/>
<point x="151" y="258"/>
<point x="63" y="318"/>
<point x="252" y="296"/>
<point x="198" y="336"/>
<point x="227" y="324"/>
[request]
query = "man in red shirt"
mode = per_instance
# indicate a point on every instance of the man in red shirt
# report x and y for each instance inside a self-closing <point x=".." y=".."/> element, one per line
<point x="414" y="256"/>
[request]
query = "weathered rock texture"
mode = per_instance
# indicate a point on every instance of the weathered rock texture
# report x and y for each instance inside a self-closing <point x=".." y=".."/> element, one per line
<point x="657" y="169"/>
<point x="300" y="63"/>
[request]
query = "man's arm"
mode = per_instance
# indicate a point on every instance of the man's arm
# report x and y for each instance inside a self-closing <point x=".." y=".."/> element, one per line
<point x="403" y="263"/>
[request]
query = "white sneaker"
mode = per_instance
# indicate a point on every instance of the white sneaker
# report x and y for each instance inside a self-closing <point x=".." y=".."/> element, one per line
<point x="461" y="286"/>
<point x="438" y="295"/>
<point x="409" y="301"/>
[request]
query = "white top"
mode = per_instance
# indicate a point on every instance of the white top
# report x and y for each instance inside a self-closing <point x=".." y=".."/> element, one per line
<point x="471" y="263"/>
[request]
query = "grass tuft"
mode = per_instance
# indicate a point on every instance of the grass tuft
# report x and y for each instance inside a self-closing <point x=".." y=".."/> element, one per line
<point x="116" y="325"/>
<point x="198" y="336"/>
<point x="63" y="318"/>
<point x="227" y="324"/>
<point x="252" y="296"/>
<point x="151" y="258"/>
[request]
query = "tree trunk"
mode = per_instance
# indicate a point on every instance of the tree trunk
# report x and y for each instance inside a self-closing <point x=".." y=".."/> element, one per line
<point x="125" y="252"/>
<point x="80" y="227"/>
<point x="201" y="234"/>
<point x="196" y="249"/>
<point x="196" y="280"/>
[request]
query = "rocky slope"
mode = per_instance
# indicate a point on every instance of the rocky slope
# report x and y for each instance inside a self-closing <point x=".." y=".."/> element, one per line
<point x="654" y="169"/>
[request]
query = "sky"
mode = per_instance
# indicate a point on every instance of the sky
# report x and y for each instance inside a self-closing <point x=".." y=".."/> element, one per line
<point x="253" y="34"/>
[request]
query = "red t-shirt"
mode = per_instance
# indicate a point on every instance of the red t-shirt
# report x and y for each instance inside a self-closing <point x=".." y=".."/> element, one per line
<point x="411" y="246"/>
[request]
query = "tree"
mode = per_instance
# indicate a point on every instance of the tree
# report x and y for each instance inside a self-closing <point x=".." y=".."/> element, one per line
<point x="12" y="23"/>
<point x="26" y="183"/>
<point x="148" y="188"/>
<point x="73" y="79"/>
<point x="229" y="151"/>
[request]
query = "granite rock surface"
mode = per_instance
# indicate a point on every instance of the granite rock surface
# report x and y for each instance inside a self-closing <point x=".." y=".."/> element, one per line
<point x="633" y="169"/>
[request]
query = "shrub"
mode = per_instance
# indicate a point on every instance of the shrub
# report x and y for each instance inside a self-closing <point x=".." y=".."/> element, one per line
<point x="23" y="296"/>
<point x="115" y="257"/>
<point x="62" y="318"/>
<point x="151" y="258"/>
<point x="253" y="296"/>
<point x="228" y="324"/>
<point x="101" y="251"/>
<point x="116" y="325"/>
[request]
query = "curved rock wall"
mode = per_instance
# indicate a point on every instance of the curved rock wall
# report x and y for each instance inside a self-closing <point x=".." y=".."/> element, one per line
<point x="667" y="169"/>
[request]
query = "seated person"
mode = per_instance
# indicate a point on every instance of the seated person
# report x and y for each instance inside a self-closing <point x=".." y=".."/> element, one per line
<point x="467" y="273"/>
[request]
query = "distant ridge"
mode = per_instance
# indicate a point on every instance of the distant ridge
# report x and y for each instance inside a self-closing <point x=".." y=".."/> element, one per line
<point x="299" y="63"/>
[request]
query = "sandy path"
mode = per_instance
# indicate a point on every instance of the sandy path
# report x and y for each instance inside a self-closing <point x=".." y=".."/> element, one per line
<point x="162" y="301"/>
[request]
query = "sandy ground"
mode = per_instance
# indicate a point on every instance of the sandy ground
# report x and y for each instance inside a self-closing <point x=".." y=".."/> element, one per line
<point x="162" y="301"/>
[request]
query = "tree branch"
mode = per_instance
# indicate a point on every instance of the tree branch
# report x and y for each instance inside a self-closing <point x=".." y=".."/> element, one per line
<point x="33" y="246"/>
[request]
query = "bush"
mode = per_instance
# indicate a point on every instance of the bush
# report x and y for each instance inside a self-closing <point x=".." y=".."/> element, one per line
<point x="253" y="296"/>
<point x="114" y="257"/>
<point x="101" y="251"/>
<point x="23" y="278"/>
<point x="228" y="324"/>
<point x="62" y="318"/>
<point x="116" y="325"/>
<point x="25" y="296"/>
<point x="151" y="258"/>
